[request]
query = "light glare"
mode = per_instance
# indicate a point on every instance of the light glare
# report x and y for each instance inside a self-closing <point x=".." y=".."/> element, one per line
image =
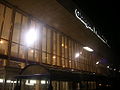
<point x="77" y="55"/>
<point x="31" y="37"/>
<point x="88" y="49"/>
<point x="97" y="62"/>
<point x="43" y="82"/>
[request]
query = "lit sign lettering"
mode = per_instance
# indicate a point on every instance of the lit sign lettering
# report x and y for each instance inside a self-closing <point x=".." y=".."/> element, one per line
<point x="82" y="19"/>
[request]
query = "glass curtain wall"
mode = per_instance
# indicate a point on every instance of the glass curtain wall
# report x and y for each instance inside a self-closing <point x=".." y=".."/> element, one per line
<point x="29" y="39"/>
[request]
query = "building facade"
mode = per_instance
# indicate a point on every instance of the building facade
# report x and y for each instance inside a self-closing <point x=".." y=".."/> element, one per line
<point x="37" y="56"/>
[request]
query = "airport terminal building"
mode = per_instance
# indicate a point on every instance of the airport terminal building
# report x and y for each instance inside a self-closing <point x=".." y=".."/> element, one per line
<point x="50" y="45"/>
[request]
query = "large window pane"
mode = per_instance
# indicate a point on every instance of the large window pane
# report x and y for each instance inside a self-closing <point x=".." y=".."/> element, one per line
<point x="48" y="41"/>
<point x="24" y="30"/>
<point x="7" y="23"/>
<point x="63" y="47"/>
<point x="44" y="39"/>
<point x="17" y="27"/>
<point x="1" y="15"/>
<point x="3" y="47"/>
<point x="54" y="42"/>
<point x="36" y="55"/>
<point x="44" y="57"/>
<point x="30" y="54"/>
<point x="58" y="44"/>
<point x="22" y="52"/>
<point x="48" y="58"/>
<point x="14" y="49"/>
<point x="38" y="28"/>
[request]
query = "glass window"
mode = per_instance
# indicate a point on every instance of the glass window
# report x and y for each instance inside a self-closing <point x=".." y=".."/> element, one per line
<point x="54" y="43"/>
<point x="58" y="44"/>
<point x="44" y="57"/>
<point x="63" y="47"/>
<point x="44" y="39"/>
<point x="48" y="41"/>
<point x="1" y="16"/>
<point x="7" y="23"/>
<point x="66" y="48"/>
<point x="48" y="58"/>
<point x="38" y="28"/>
<point x="22" y="52"/>
<point x="36" y="55"/>
<point x="31" y="34"/>
<point x="17" y="27"/>
<point x="58" y="61"/>
<point x="24" y="29"/>
<point x="63" y="62"/>
<point x="54" y="58"/>
<point x="3" y="46"/>
<point x="30" y="53"/>
<point x="70" y="50"/>
<point x="14" y="50"/>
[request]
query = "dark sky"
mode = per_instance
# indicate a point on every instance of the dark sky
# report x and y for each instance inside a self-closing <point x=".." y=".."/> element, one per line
<point x="104" y="15"/>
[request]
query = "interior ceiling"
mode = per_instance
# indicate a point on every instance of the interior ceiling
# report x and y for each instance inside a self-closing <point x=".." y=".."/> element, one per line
<point x="55" y="15"/>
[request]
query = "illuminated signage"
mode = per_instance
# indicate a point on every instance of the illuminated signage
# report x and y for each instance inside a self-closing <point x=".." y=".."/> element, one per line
<point x="78" y="14"/>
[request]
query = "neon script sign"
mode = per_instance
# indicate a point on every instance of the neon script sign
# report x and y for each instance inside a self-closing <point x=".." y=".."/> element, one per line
<point x="87" y="25"/>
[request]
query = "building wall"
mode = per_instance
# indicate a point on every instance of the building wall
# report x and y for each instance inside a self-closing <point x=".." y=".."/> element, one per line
<point x="51" y="47"/>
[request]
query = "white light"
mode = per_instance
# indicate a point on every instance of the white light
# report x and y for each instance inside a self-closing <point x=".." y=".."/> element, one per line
<point x="77" y="55"/>
<point x="108" y="66"/>
<point x="88" y="49"/>
<point x="8" y="81"/>
<point x="97" y="62"/>
<point x="54" y="57"/>
<point x="43" y="81"/>
<point x="31" y="37"/>
<point x="32" y="82"/>
<point x="62" y="45"/>
<point x="1" y="42"/>
<point x="79" y="16"/>
<point x="1" y="80"/>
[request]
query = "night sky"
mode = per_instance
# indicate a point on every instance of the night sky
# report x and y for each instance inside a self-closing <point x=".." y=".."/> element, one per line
<point x="104" y="15"/>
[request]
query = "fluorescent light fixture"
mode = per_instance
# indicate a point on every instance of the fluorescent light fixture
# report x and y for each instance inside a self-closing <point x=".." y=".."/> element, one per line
<point x="88" y="49"/>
